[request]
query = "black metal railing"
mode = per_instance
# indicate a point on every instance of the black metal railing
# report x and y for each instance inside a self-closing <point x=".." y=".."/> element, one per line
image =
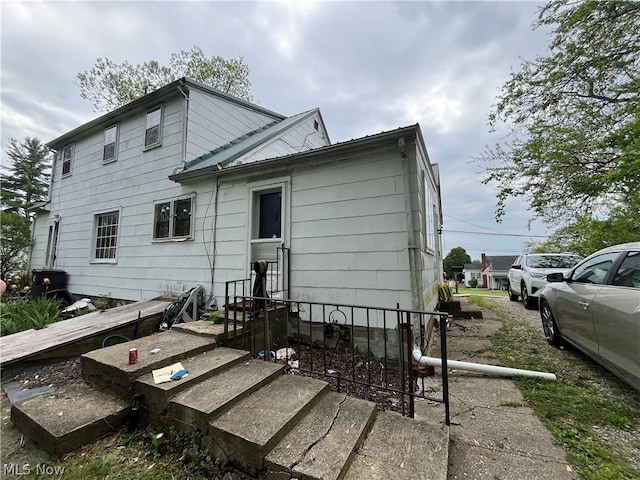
<point x="363" y="351"/>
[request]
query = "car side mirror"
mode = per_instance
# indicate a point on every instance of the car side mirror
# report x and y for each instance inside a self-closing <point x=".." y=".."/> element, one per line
<point x="516" y="266"/>
<point x="555" y="277"/>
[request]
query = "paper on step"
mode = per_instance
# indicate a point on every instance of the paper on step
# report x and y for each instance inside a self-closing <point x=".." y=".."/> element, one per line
<point x="163" y="375"/>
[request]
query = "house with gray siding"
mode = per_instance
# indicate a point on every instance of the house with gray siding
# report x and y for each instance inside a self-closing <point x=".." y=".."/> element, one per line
<point x="188" y="186"/>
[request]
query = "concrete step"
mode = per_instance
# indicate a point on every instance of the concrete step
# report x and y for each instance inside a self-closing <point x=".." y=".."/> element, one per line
<point x="201" y="367"/>
<point x="403" y="449"/>
<point x="198" y="405"/>
<point x="246" y="433"/>
<point x="68" y="418"/>
<point x="108" y="369"/>
<point x="321" y="446"/>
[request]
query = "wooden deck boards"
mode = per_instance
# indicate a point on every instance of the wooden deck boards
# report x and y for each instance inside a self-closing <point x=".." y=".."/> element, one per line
<point x="26" y="344"/>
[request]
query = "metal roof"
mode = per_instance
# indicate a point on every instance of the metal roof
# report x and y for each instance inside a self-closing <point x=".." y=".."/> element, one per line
<point x="308" y="155"/>
<point x="227" y="153"/>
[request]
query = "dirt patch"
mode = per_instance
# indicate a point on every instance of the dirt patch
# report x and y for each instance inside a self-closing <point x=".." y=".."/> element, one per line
<point x="54" y="374"/>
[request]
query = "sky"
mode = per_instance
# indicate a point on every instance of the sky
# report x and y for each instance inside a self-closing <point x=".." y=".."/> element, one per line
<point x="369" y="67"/>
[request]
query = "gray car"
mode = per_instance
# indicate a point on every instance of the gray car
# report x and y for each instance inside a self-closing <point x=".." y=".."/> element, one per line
<point x="596" y="308"/>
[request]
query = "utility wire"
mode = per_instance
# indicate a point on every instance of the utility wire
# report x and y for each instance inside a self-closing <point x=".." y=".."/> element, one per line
<point x="495" y="234"/>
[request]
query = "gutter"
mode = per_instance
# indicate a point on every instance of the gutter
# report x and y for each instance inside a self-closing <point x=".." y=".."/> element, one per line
<point x="295" y="159"/>
<point x="479" y="367"/>
<point x="185" y="121"/>
<point x="416" y="287"/>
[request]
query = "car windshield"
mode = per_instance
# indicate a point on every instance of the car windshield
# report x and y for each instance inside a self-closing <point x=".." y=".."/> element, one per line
<point x="553" y="261"/>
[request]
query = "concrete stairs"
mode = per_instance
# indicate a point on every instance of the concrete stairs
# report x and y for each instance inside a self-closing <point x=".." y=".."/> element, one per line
<point x="267" y="423"/>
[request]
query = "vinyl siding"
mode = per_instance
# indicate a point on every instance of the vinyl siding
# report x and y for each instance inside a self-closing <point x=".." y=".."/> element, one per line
<point x="214" y="122"/>
<point x="348" y="233"/>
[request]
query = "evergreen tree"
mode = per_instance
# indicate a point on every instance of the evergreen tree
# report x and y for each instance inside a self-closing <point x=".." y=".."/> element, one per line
<point x="14" y="243"/>
<point x="27" y="180"/>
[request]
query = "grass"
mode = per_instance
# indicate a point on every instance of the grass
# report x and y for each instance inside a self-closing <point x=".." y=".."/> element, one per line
<point x="584" y="401"/>
<point x="480" y="292"/>
<point x="140" y="455"/>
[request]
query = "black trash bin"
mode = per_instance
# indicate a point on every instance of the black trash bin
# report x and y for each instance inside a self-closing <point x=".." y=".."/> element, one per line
<point x="57" y="281"/>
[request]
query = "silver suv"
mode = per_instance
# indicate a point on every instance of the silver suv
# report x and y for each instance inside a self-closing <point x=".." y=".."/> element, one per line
<point x="528" y="274"/>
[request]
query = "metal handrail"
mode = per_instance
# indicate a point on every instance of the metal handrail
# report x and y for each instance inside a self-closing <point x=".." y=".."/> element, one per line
<point x="395" y="322"/>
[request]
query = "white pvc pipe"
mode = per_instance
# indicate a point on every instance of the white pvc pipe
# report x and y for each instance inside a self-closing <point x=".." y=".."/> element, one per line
<point x="479" y="367"/>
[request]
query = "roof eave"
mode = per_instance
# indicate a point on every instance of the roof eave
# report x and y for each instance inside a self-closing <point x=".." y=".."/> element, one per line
<point x="337" y="149"/>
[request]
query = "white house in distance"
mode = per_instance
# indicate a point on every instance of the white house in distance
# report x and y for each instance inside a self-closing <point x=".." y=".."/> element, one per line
<point x="188" y="186"/>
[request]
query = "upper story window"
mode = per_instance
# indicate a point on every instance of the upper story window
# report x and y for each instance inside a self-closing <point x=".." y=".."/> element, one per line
<point x="172" y="219"/>
<point x="110" y="150"/>
<point x="67" y="158"/>
<point x="153" y="128"/>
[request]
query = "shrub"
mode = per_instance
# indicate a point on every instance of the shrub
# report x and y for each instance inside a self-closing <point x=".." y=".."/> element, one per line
<point x="473" y="283"/>
<point x="19" y="315"/>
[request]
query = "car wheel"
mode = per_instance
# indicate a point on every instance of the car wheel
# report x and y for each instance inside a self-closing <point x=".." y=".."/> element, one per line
<point x="513" y="296"/>
<point x="527" y="301"/>
<point x="549" y="325"/>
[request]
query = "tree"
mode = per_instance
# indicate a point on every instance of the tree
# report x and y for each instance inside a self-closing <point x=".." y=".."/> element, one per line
<point x="457" y="256"/>
<point x="14" y="241"/>
<point x="110" y="85"/>
<point x="27" y="180"/>
<point x="573" y="117"/>
<point x="586" y="235"/>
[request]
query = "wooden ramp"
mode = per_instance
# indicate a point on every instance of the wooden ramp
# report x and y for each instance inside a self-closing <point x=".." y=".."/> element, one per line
<point x="96" y="325"/>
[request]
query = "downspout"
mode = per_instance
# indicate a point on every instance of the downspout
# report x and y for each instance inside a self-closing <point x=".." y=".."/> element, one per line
<point x="479" y="367"/>
<point x="414" y="265"/>
<point x="185" y="121"/>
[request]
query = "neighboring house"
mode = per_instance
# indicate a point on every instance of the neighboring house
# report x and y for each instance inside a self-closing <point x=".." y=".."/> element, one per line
<point x="188" y="186"/>
<point x="472" y="270"/>
<point x="495" y="271"/>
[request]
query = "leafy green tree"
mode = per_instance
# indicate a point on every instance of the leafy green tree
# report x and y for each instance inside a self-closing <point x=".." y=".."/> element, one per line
<point x="586" y="235"/>
<point x="573" y="118"/>
<point x="27" y="179"/>
<point x="109" y="85"/>
<point x="14" y="243"/>
<point x="457" y="256"/>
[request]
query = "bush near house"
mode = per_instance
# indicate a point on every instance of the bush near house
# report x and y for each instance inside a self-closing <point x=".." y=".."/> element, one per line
<point x="22" y="314"/>
<point x="473" y="283"/>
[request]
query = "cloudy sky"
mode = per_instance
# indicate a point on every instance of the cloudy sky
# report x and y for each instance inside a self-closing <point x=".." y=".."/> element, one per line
<point x="368" y="66"/>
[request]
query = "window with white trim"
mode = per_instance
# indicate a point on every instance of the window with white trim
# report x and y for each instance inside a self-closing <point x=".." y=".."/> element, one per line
<point x="153" y="128"/>
<point x="267" y="211"/>
<point x="430" y="214"/>
<point x="67" y="158"/>
<point x="172" y="219"/>
<point x="105" y="234"/>
<point x="110" y="149"/>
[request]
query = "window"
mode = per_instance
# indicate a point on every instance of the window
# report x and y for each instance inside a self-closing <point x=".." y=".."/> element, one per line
<point x="152" y="132"/>
<point x="106" y="236"/>
<point x="429" y="215"/>
<point x="628" y="275"/>
<point x="172" y="219"/>
<point x="67" y="157"/>
<point x="595" y="270"/>
<point x="269" y="215"/>
<point x="109" y="153"/>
